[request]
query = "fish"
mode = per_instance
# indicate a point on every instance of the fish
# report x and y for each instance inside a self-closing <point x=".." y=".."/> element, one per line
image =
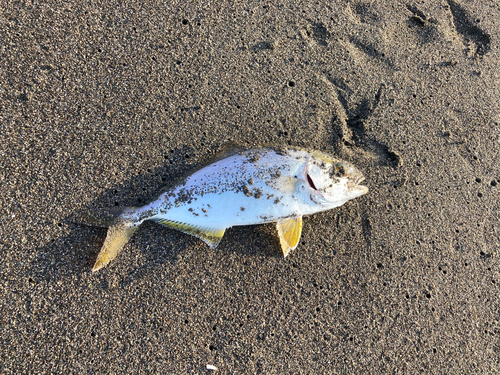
<point x="241" y="187"/>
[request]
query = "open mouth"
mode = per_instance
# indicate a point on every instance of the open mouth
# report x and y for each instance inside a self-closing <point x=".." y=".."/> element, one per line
<point x="363" y="188"/>
<point x="356" y="185"/>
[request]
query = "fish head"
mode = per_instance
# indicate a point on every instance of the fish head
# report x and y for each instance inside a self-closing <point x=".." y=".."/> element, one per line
<point x="333" y="182"/>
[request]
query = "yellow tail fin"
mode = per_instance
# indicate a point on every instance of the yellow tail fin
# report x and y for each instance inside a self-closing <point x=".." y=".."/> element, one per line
<point x="118" y="235"/>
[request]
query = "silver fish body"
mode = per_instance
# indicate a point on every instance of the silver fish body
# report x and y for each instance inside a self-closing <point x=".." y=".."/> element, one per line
<point x="247" y="187"/>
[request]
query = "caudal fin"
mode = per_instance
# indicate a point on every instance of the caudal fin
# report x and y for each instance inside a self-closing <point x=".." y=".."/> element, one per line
<point x="122" y="223"/>
<point x="118" y="235"/>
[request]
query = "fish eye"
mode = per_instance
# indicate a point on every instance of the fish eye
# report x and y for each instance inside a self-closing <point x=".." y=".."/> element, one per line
<point x="338" y="170"/>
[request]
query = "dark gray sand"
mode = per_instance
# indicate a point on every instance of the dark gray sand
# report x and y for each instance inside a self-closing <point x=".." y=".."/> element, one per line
<point x="102" y="105"/>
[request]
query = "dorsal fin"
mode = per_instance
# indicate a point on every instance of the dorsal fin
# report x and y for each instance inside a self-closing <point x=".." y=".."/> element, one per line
<point x="211" y="236"/>
<point x="289" y="231"/>
<point x="229" y="148"/>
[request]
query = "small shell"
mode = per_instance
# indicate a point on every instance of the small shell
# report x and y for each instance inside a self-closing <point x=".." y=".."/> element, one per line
<point x="211" y="367"/>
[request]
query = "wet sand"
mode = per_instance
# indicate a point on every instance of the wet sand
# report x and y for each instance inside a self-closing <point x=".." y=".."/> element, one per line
<point x="103" y="104"/>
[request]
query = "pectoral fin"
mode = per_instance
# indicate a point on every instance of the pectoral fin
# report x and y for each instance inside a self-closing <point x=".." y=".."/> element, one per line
<point x="289" y="230"/>
<point x="285" y="184"/>
<point x="211" y="236"/>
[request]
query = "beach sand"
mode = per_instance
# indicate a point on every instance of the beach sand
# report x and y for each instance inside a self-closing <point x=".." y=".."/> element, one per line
<point x="102" y="104"/>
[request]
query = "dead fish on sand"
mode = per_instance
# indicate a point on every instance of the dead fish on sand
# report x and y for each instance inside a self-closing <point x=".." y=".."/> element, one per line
<point x="243" y="188"/>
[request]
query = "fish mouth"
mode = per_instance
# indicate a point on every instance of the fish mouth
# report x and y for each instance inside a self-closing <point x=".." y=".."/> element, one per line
<point x="357" y="187"/>
<point x="361" y="188"/>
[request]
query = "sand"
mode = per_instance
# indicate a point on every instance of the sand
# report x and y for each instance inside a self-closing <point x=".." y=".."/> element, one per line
<point x="102" y="104"/>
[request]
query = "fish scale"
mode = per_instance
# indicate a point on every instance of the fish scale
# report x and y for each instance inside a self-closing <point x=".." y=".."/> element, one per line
<point x="222" y="194"/>
<point x="244" y="188"/>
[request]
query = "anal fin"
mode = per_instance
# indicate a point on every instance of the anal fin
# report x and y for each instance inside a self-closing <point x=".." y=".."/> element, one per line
<point x="289" y="231"/>
<point x="211" y="236"/>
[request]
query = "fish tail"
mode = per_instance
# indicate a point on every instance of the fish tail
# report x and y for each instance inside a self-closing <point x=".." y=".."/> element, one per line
<point x="121" y="229"/>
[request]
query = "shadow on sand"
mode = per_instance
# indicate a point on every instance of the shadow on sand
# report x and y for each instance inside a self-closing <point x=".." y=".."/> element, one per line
<point x="73" y="254"/>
